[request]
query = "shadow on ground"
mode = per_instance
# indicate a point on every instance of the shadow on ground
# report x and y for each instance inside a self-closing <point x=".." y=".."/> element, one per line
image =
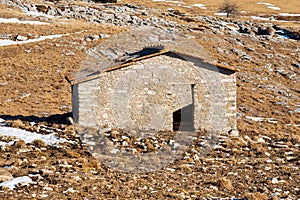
<point x="52" y="119"/>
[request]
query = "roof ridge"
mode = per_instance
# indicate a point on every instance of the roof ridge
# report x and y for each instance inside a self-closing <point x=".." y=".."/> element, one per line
<point x="75" y="80"/>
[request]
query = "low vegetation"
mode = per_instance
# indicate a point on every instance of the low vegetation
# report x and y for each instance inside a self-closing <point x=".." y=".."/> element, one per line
<point x="229" y="8"/>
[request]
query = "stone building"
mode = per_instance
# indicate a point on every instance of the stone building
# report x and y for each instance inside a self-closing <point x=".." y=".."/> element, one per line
<point x="157" y="89"/>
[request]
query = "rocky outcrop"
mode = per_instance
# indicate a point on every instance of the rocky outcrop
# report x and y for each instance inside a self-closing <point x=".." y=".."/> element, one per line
<point x="132" y="15"/>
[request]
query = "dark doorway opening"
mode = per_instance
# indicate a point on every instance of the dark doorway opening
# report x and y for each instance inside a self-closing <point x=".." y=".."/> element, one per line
<point x="183" y="119"/>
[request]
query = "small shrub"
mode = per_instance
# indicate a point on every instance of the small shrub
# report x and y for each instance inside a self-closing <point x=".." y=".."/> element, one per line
<point x="229" y="8"/>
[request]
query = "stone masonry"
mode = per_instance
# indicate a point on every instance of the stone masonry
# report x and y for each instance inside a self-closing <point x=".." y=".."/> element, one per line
<point x="146" y="94"/>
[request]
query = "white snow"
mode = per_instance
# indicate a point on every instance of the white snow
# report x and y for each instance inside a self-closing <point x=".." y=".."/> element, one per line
<point x="15" y="20"/>
<point x="11" y="42"/>
<point x="269" y="19"/>
<point x="274" y="7"/>
<point x="269" y="5"/>
<point x="2" y="120"/>
<point x="32" y="13"/>
<point x="261" y="18"/>
<point x="261" y="119"/>
<point x="263" y="3"/>
<point x="289" y="14"/>
<point x="221" y="14"/>
<point x="14" y="182"/>
<point x="202" y="6"/>
<point x="29" y="137"/>
<point x="230" y="26"/>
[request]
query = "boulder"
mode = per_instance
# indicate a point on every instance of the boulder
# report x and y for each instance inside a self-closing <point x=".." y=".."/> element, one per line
<point x="20" y="38"/>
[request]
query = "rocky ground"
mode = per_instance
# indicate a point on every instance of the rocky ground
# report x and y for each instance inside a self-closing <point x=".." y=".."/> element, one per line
<point x="262" y="162"/>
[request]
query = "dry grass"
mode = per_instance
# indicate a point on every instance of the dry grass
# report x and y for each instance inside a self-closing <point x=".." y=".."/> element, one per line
<point x="8" y="12"/>
<point x="250" y="6"/>
<point x="39" y="68"/>
<point x="53" y="28"/>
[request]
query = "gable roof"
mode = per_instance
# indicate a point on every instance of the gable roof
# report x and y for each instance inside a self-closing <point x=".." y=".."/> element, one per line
<point x="130" y="59"/>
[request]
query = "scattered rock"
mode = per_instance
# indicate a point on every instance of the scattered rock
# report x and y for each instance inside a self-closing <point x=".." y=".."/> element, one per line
<point x="70" y="190"/>
<point x="6" y="36"/>
<point x="18" y="124"/>
<point x="90" y="38"/>
<point x="20" y="144"/>
<point x="296" y="65"/>
<point x="234" y="133"/>
<point x="104" y="36"/>
<point x="43" y="195"/>
<point x="256" y="196"/>
<point x="20" y="38"/>
<point x="46" y="172"/>
<point x="70" y="121"/>
<point x="266" y="31"/>
<point x="225" y="183"/>
<point x="5" y="176"/>
<point x="39" y="143"/>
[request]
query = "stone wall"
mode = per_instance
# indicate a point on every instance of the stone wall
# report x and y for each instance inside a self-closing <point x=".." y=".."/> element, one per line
<point x="83" y="103"/>
<point x="146" y="94"/>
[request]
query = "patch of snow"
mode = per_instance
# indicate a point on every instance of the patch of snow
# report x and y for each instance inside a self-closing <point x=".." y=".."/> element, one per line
<point x="217" y="146"/>
<point x="261" y="119"/>
<point x="14" y="182"/>
<point x="274" y="7"/>
<point x="17" y="21"/>
<point x="230" y="26"/>
<point x="3" y="143"/>
<point x="256" y="119"/>
<point x="2" y="120"/>
<point x="289" y="14"/>
<point x="202" y="6"/>
<point x="11" y="42"/>
<point x="221" y="14"/>
<point x="282" y="34"/>
<point x="297" y="125"/>
<point x="263" y="3"/>
<point x="71" y="190"/>
<point x="262" y="18"/>
<point x="269" y="5"/>
<point x="38" y="14"/>
<point x="29" y="137"/>
<point x="269" y="19"/>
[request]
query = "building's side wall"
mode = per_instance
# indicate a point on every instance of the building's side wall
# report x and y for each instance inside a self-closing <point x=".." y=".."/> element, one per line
<point x="229" y="82"/>
<point x="75" y="103"/>
<point x="83" y="100"/>
<point x="147" y="93"/>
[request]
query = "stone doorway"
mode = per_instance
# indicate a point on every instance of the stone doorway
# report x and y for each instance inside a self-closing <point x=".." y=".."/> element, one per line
<point x="183" y="118"/>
